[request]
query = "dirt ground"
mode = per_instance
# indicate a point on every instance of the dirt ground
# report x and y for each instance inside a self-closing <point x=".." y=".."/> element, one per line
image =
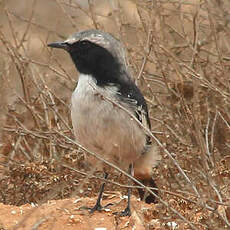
<point x="65" y="214"/>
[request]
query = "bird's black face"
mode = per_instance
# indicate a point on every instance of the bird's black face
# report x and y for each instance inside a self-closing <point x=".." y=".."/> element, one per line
<point x="87" y="56"/>
<point x="90" y="58"/>
<point x="95" y="60"/>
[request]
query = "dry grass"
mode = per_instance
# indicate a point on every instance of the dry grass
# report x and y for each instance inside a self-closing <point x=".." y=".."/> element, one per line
<point x="179" y="54"/>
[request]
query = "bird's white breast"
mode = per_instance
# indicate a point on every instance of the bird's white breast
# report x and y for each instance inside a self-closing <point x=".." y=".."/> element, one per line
<point x="101" y="126"/>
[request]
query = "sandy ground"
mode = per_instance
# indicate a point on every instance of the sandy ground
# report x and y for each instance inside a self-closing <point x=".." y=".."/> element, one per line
<point x="65" y="214"/>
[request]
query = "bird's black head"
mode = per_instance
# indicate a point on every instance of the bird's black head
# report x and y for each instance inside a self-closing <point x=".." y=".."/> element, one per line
<point x="92" y="59"/>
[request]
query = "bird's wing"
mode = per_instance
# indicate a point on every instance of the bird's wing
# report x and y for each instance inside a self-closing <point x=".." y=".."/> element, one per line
<point x="130" y="94"/>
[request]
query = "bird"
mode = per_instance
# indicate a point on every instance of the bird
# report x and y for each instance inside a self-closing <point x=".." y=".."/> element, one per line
<point x="103" y="105"/>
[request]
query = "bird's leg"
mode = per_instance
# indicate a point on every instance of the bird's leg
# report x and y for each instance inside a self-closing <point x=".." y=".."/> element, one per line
<point x="127" y="211"/>
<point x="98" y="206"/>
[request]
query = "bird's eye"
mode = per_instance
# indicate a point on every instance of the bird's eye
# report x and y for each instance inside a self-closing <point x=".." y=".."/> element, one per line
<point x="84" y="43"/>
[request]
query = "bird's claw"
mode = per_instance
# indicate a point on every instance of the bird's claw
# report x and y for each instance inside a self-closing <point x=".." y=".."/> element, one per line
<point x="126" y="212"/>
<point x="97" y="207"/>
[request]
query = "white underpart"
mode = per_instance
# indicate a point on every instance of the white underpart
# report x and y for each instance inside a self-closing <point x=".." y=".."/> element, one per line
<point x="102" y="127"/>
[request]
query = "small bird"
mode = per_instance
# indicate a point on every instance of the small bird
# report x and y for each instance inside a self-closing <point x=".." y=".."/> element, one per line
<point x="99" y="124"/>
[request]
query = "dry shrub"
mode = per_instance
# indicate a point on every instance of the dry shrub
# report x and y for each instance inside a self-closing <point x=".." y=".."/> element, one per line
<point x="179" y="55"/>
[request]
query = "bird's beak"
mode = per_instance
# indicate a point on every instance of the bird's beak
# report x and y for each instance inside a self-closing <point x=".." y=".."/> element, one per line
<point x="60" y="45"/>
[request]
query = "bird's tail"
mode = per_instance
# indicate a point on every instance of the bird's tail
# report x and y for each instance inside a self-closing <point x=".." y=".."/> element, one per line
<point x="143" y="172"/>
<point x="145" y="195"/>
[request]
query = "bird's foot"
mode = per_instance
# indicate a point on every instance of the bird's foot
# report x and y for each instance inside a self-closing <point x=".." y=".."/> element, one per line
<point x="126" y="212"/>
<point x="97" y="207"/>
